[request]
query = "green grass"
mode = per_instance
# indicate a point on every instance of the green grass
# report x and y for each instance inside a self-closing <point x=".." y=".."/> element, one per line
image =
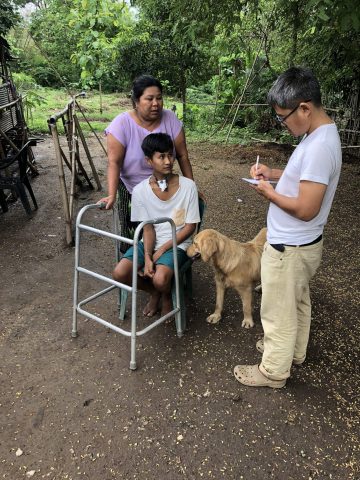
<point x="46" y="102"/>
<point x="54" y="101"/>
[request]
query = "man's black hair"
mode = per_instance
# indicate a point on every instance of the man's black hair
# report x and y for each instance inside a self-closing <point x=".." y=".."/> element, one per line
<point x="157" y="142"/>
<point x="297" y="84"/>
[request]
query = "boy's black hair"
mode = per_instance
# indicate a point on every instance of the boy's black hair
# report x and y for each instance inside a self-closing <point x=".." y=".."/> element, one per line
<point x="157" y="142"/>
<point x="297" y="84"/>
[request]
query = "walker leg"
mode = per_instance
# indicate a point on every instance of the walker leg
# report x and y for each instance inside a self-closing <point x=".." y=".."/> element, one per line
<point x="133" y="353"/>
<point x="133" y="326"/>
<point x="74" y="332"/>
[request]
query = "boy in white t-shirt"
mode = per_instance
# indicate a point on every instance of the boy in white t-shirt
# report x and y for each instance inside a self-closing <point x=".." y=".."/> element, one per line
<point x="163" y="194"/>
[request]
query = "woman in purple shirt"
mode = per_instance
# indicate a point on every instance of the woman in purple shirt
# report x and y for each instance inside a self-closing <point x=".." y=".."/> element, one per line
<point x="127" y="131"/>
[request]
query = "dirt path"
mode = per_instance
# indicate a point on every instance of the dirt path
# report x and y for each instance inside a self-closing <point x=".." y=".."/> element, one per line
<point x="72" y="409"/>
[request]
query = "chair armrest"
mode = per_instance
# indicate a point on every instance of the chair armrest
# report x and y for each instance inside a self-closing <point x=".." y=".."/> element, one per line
<point x="9" y="161"/>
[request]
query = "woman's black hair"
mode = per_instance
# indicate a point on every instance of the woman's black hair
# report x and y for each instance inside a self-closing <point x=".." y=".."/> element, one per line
<point x="141" y="83"/>
<point x="157" y="142"/>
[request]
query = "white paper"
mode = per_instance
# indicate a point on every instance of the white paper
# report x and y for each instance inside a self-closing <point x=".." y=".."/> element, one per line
<point x="255" y="182"/>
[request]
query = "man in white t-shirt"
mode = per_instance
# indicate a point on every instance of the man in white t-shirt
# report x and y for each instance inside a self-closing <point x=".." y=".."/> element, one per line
<point x="163" y="194"/>
<point x="298" y="211"/>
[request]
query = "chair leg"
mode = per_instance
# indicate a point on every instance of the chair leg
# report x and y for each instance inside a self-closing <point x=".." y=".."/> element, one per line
<point x="180" y="318"/>
<point x="20" y="190"/>
<point x="188" y="282"/>
<point x="3" y="202"/>
<point x="26" y="182"/>
<point x="123" y="295"/>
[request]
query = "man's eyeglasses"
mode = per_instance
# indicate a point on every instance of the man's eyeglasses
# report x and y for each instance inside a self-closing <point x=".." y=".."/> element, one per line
<point x="282" y="119"/>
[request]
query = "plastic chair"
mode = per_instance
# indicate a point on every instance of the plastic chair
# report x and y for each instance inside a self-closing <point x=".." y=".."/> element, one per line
<point x="13" y="176"/>
<point x="185" y="282"/>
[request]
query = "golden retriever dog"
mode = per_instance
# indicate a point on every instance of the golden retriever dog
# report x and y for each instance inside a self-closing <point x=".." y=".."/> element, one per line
<point x="236" y="265"/>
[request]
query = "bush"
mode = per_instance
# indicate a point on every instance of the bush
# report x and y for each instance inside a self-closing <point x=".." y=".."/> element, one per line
<point x="28" y="88"/>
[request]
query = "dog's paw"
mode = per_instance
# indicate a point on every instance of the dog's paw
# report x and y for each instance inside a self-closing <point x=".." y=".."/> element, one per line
<point x="248" y="323"/>
<point x="214" y="318"/>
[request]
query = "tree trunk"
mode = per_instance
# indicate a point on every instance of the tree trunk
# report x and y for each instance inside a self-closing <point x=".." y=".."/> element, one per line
<point x="295" y="30"/>
<point x="100" y="94"/>
<point x="183" y="97"/>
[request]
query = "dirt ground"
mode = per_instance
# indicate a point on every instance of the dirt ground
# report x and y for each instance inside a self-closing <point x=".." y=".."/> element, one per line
<point x="72" y="409"/>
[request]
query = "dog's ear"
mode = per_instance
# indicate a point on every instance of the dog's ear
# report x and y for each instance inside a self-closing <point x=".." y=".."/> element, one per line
<point x="208" y="248"/>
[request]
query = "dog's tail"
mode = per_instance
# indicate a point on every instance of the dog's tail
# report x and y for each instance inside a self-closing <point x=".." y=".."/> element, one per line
<point x="260" y="238"/>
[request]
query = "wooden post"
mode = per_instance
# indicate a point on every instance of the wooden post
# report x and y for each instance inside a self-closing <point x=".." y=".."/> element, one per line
<point x="91" y="127"/>
<point x="72" y="128"/>
<point x="87" y="151"/>
<point x="72" y="159"/>
<point x="55" y="136"/>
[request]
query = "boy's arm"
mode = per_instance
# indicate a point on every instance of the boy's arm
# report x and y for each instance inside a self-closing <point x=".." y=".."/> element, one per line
<point x="149" y="243"/>
<point x="187" y="230"/>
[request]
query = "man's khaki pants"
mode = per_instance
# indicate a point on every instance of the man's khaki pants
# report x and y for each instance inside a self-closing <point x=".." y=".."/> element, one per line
<point x="286" y="306"/>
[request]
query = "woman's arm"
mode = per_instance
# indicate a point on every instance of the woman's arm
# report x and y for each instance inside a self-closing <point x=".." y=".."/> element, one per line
<point x="116" y="154"/>
<point x="182" y="155"/>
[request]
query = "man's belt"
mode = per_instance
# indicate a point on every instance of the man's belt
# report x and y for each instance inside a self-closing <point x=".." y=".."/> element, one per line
<point x="280" y="247"/>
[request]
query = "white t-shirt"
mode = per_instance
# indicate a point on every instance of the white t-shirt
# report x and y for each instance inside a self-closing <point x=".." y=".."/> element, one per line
<point x="317" y="159"/>
<point x="182" y="207"/>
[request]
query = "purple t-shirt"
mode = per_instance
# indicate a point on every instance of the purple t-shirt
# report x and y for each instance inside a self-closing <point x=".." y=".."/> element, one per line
<point x="130" y="135"/>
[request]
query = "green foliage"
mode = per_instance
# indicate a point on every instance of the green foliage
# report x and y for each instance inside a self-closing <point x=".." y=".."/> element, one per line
<point x="100" y="25"/>
<point x="9" y="14"/>
<point x="214" y="52"/>
<point x="53" y="101"/>
<point x="172" y="54"/>
<point x="48" y="58"/>
<point x="24" y="82"/>
<point x="29" y="90"/>
<point x="322" y="34"/>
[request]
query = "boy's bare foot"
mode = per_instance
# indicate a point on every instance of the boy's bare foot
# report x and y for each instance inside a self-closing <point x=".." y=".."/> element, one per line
<point x="166" y="304"/>
<point x="152" y="307"/>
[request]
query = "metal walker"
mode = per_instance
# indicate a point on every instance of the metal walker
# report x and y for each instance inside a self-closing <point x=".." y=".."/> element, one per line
<point x="77" y="305"/>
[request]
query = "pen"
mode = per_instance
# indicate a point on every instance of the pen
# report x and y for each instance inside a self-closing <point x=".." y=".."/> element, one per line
<point x="257" y="163"/>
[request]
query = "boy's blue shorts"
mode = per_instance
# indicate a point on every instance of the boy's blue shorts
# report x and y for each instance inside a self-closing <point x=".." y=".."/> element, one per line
<point x="166" y="258"/>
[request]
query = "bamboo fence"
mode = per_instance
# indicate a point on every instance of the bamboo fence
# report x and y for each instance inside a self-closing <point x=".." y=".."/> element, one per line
<point x="73" y="133"/>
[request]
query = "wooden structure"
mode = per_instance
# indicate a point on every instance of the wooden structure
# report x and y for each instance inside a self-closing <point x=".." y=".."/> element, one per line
<point x="16" y="156"/>
<point x="79" y="176"/>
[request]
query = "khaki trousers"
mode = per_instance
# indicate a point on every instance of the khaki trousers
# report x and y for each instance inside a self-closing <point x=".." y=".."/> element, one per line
<point x="286" y="306"/>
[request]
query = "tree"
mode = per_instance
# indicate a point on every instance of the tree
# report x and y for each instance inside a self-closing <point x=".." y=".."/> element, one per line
<point x="49" y="60"/>
<point x="100" y="26"/>
<point x="9" y="14"/>
<point x="174" y="54"/>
